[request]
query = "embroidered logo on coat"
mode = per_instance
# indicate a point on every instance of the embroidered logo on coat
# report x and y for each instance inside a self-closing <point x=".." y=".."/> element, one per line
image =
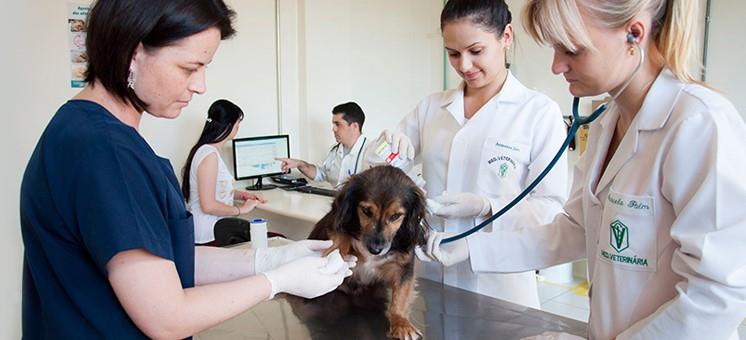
<point x="503" y="170"/>
<point x="619" y="236"/>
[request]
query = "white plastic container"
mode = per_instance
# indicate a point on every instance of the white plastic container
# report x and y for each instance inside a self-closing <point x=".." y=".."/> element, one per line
<point x="380" y="153"/>
<point x="258" y="232"/>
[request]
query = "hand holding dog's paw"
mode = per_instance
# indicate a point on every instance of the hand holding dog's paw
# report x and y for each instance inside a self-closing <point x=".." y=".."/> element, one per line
<point x="402" y="329"/>
<point x="334" y="262"/>
<point x="273" y="257"/>
<point x="306" y="277"/>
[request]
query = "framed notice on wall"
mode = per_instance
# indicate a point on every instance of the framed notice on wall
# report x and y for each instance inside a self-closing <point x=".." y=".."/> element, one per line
<point x="76" y="30"/>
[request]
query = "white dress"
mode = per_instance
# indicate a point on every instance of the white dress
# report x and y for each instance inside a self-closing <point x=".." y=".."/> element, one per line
<point x="204" y="223"/>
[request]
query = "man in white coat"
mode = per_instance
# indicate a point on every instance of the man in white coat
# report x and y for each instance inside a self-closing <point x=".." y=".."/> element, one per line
<point x="345" y="158"/>
<point x="656" y="199"/>
<point x="482" y="143"/>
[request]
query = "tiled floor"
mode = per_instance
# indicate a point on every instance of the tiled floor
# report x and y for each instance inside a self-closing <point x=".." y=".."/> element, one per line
<point x="571" y="300"/>
<point x="566" y="299"/>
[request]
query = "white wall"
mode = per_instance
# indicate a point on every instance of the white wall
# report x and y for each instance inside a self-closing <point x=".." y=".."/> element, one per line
<point x="36" y="81"/>
<point x="726" y="66"/>
<point x="385" y="55"/>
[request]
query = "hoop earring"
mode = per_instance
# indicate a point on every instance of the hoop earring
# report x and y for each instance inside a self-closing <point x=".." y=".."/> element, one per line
<point x="131" y="80"/>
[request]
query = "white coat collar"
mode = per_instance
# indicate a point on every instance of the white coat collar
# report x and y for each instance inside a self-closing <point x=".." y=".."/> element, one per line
<point x="659" y="102"/>
<point x="654" y="112"/>
<point x="657" y="105"/>
<point x="512" y="92"/>
<point x="355" y="147"/>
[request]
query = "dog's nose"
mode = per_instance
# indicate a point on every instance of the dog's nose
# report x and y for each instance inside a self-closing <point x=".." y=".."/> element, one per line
<point x="376" y="244"/>
<point x="375" y="250"/>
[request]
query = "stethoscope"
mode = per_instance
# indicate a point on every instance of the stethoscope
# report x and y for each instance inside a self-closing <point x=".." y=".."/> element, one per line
<point x="577" y="122"/>
<point x="357" y="160"/>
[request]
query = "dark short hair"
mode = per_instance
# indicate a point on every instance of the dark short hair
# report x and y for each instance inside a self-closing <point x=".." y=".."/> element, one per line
<point x="117" y="27"/>
<point x="351" y="113"/>
<point x="491" y="15"/>
<point x="222" y="116"/>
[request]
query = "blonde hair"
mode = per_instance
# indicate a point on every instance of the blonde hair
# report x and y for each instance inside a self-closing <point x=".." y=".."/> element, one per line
<point x="674" y="26"/>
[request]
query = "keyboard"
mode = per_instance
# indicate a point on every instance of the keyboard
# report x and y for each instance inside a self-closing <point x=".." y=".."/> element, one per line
<point x="318" y="191"/>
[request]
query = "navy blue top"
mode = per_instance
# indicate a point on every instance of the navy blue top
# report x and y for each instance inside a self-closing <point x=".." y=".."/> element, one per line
<point x="92" y="189"/>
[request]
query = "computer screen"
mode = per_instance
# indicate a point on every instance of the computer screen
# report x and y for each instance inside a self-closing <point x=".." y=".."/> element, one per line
<point x="254" y="157"/>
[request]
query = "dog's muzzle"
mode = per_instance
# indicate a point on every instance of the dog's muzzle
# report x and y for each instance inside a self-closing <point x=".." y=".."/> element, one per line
<point x="376" y="244"/>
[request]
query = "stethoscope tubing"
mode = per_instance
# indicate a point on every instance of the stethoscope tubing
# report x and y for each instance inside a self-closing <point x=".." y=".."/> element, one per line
<point x="577" y="122"/>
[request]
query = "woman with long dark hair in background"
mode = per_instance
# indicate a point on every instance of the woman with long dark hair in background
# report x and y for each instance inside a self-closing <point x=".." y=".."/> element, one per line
<point x="207" y="184"/>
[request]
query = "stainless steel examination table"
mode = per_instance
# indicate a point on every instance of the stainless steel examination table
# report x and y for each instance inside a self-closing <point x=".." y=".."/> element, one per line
<point x="440" y="312"/>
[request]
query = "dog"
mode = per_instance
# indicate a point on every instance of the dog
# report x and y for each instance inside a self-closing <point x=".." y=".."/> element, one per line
<point x="379" y="217"/>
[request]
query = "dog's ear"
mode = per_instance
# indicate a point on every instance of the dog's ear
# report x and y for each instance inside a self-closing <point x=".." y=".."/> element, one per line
<point x="415" y="228"/>
<point x="420" y="224"/>
<point x="345" y="207"/>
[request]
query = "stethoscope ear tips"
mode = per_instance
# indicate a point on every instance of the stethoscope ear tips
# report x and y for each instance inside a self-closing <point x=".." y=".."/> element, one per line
<point x="631" y="38"/>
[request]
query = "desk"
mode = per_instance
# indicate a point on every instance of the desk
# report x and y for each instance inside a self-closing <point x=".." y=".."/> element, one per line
<point x="291" y="213"/>
<point x="440" y="312"/>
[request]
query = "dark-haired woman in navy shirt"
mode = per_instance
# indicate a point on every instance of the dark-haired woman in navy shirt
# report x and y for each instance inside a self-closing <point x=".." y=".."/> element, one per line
<point x="109" y="244"/>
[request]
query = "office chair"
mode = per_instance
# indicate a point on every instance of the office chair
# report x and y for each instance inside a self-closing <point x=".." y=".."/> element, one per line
<point x="233" y="230"/>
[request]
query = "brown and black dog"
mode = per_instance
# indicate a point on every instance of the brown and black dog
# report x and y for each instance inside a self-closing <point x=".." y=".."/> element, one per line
<point x="379" y="216"/>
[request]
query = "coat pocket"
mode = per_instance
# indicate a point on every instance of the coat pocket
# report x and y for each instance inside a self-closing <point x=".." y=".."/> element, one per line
<point x="504" y="165"/>
<point x="628" y="235"/>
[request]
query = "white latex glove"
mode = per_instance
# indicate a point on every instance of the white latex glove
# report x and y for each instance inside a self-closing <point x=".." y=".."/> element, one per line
<point x="334" y="262"/>
<point x="273" y="257"/>
<point x="399" y="143"/>
<point x="307" y="277"/>
<point x="461" y="204"/>
<point x="447" y="254"/>
<point x="553" y="336"/>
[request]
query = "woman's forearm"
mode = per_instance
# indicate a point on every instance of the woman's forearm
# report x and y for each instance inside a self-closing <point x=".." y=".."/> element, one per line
<point x="219" y="208"/>
<point x="150" y="290"/>
<point x="213" y="264"/>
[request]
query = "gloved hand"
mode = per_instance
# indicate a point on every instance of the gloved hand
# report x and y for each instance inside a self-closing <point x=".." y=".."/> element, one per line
<point x="462" y="204"/>
<point x="307" y="277"/>
<point x="399" y="143"/>
<point x="447" y="254"/>
<point x="273" y="257"/>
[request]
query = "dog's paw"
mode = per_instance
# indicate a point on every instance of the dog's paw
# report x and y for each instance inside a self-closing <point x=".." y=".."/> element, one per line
<point x="402" y="329"/>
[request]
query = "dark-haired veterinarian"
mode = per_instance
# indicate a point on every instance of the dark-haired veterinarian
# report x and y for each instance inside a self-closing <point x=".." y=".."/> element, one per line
<point x="109" y="244"/>
<point x="482" y="143"/>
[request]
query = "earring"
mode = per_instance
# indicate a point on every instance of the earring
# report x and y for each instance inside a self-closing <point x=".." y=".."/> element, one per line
<point x="632" y="40"/>
<point x="131" y="80"/>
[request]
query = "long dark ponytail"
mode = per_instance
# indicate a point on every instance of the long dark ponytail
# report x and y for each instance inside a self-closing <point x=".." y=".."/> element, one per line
<point x="221" y="118"/>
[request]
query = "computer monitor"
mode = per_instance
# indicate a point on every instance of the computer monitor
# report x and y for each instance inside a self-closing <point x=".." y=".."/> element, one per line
<point x="254" y="157"/>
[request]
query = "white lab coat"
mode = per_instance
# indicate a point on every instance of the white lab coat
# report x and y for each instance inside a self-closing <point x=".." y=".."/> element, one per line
<point x="664" y="228"/>
<point x="340" y="164"/>
<point x="496" y="153"/>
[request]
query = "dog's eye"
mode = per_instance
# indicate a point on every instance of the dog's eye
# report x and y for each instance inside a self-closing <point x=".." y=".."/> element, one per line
<point x="367" y="212"/>
<point x="395" y="217"/>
